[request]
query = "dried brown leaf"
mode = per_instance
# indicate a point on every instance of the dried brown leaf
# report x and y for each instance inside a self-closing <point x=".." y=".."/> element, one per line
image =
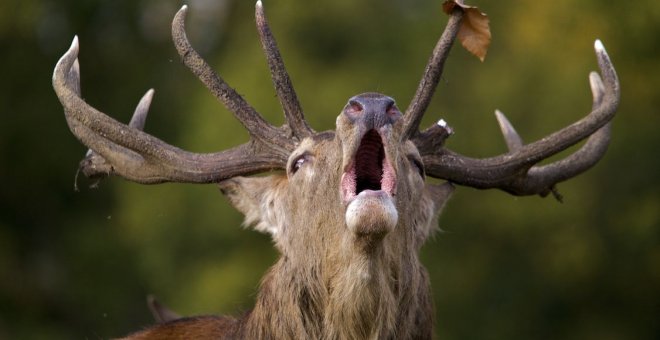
<point x="474" y="33"/>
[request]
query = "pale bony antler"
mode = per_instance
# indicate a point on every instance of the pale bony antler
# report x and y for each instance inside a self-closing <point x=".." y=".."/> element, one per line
<point x="94" y="165"/>
<point x="539" y="179"/>
<point x="515" y="172"/>
<point x="127" y="151"/>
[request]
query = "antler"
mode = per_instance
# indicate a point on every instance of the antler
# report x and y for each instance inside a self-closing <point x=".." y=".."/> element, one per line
<point x="432" y="74"/>
<point x="285" y="92"/>
<point x="515" y="172"/>
<point x="125" y="150"/>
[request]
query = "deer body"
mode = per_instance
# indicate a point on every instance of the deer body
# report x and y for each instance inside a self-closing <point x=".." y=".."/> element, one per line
<point x="351" y="209"/>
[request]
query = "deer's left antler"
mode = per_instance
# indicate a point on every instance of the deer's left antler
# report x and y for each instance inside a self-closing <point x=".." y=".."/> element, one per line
<point x="516" y="172"/>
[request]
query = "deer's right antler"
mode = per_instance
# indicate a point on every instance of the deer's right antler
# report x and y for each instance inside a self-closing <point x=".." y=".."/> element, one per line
<point x="516" y="171"/>
<point x="125" y="150"/>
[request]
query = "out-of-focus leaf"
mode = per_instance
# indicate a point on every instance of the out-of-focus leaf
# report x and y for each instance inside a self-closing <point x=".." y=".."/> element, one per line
<point x="474" y="33"/>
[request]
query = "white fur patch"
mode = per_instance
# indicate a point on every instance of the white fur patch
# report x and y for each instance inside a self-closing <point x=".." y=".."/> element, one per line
<point x="371" y="212"/>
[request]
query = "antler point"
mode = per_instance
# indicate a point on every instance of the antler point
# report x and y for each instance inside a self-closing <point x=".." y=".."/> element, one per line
<point x="181" y="12"/>
<point x="598" y="46"/>
<point x="72" y="51"/>
<point x="443" y="124"/>
<point x="141" y="111"/>
<point x="74" y="48"/>
<point x="501" y="118"/>
<point x="259" y="4"/>
<point x="511" y="137"/>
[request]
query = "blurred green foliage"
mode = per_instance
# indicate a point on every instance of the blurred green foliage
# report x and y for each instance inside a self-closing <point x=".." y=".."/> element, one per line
<point x="79" y="264"/>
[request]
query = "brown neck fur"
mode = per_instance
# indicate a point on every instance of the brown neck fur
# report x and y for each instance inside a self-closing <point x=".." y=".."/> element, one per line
<point x="353" y="295"/>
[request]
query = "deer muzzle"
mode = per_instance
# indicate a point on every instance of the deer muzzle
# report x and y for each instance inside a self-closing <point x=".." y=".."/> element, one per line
<point x="368" y="184"/>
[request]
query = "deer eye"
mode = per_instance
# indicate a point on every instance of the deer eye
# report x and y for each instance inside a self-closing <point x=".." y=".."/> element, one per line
<point x="298" y="162"/>
<point x="417" y="163"/>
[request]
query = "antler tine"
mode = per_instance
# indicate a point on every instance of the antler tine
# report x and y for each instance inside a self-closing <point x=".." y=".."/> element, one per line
<point x="511" y="137"/>
<point x="432" y="74"/>
<point x="541" y="179"/>
<point x="94" y="165"/>
<point x="139" y="117"/>
<point x="160" y="313"/>
<point x="510" y="171"/>
<point x="293" y="112"/>
<point x="258" y="128"/>
<point x="140" y="157"/>
<point x="433" y="138"/>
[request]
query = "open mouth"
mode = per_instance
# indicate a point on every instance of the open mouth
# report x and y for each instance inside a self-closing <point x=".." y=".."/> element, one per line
<point x="370" y="171"/>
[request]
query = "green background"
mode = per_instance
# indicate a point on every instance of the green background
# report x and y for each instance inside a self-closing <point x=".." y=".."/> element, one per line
<point x="78" y="265"/>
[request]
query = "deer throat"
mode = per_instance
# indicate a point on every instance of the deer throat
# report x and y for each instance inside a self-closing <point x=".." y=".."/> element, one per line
<point x="368" y="185"/>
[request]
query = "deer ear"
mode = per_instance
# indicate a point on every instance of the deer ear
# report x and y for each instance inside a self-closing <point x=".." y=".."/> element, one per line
<point x="435" y="197"/>
<point x="439" y="194"/>
<point x="258" y="198"/>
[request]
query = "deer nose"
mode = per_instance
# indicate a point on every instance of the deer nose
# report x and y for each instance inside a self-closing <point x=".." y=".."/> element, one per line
<point x="373" y="110"/>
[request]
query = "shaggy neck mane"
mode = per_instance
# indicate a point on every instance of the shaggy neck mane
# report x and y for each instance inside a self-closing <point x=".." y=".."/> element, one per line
<point x="361" y="297"/>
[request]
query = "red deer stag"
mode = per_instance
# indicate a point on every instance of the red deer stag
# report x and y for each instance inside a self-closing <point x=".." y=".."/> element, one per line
<point x="350" y="210"/>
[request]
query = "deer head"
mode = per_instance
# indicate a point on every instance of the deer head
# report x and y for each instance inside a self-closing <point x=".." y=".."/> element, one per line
<point x="351" y="207"/>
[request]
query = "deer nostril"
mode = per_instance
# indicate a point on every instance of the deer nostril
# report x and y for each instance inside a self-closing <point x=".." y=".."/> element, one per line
<point x="392" y="110"/>
<point x="354" y="106"/>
